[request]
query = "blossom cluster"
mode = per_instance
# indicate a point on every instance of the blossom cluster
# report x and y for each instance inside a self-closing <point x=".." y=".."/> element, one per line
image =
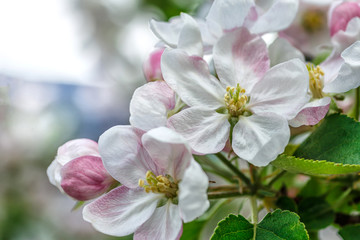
<point x="214" y="85"/>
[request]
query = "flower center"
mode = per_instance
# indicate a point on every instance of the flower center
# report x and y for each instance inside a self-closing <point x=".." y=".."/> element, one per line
<point x="235" y="100"/>
<point x="160" y="184"/>
<point x="316" y="80"/>
<point x="313" y="20"/>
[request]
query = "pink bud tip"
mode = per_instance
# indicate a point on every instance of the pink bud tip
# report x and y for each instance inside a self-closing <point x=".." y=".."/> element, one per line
<point x="152" y="66"/>
<point x="85" y="178"/>
<point x="341" y="16"/>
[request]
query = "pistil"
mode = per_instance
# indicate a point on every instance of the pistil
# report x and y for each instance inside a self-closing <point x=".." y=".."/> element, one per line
<point x="235" y="100"/>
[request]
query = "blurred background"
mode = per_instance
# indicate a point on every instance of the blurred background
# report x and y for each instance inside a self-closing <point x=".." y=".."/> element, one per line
<point x="67" y="70"/>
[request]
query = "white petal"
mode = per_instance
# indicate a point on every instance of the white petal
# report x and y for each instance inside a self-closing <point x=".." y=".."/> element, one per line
<point x="349" y="74"/>
<point x="343" y="39"/>
<point x="169" y="150"/>
<point x="168" y="31"/>
<point x="54" y="174"/>
<point x="121" y="211"/>
<point x="311" y="113"/>
<point x="76" y="148"/>
<point x="150" y="104"/>
<point x="281" y="51"/>
<point x="190" y="78"/>
<point x="190" y="36"/>
<point x="260" y="139"/>
<point x="278" y="17"/>
<point x="124" y="156"/>
<point x="331" y="67"/>
<point x="240" y="57"/>
<point x="193" y="201"/>
<point x="283" y="90"/>
<point x="229" y="13"/>
<point x="206" y="131"/>
<point x="164" y="224"/>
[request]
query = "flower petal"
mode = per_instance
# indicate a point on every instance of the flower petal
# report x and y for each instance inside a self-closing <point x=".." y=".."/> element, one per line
<point x="76" y="148"/>
<point x="281" y="51"/>
<point x="259" y="139"/>
<point x="311" y="113"/>
<point x="121" y="211"/>
<point x="206" y="131"/>
<point x="190" y="36"/>
<point x="193" y="200"/>
<point x="150" y="104"/>
<point x="240" y="57"/>
<point x="272" y="21"/>
<point x="124" y="156"/>
<point x="343" y="39"/>
<point x="168" y="32"/>
<point x="164" y="224"/>
<point x="151" y="66"/>
<point x="190" y="78"/>
<point x="283" y="90"/>
<point x="54" y="174"/>
<point x="169" y="150"/>
<point x="229" y="14"/>
<point x="348" y="77"/>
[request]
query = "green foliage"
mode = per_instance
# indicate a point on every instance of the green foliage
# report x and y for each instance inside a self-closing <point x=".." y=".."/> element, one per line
<point x="315" y="187"/>
<point x="351" y="232"/>
<point x="316" y="213"/>
<point x="286" y="203"/>
<point x="192" y="230"/>
<point x="278" y="225"/>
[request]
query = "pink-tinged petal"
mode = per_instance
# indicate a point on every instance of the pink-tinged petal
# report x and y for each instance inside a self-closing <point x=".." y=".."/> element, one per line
<point x="331" y="67"/>
<point x="85" y="178"/>
<point x="54" y="174"/>
<point x="124" y="156"/>
<point x="168" y="32"/>
<point x="272" y="21"/>
<point x="190" y="78"/>
<point x="281" y="51"/>
<point x="121" y="211"/>
<point x="193" y="200"/>
<point x="283" y="90"/>
<point x="348" y="77"/>
<point x="206" y="131"/>
<point x="343" y="39"/>
<point x="169" y="150"/>
<point x="342" y="14"/>
<point x="150" y="104"/>
<point x="259" y="139"/>
<point x="164" y="224"/>
<point x="190" y="36"/>
<point x="229" y="14"/>
<point x="76" y="148"/>
<point x="151" y="67"/>
<point x="240" y="57"/>
<point x="311" y="113"/>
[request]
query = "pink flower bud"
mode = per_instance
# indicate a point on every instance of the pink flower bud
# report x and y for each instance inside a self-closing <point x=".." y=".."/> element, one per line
<point x="342" y="14"/>
<point x="85" y="178"/>
<point x="151" y="67"/>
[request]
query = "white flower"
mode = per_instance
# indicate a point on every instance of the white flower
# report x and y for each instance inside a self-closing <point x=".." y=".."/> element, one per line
<point x="162" y="185"/>
<point x="257" y="100"/>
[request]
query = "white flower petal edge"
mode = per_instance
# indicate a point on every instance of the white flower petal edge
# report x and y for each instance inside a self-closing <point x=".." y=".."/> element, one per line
<point x="169" y="150"/>
<point x="150" y="104"/>
<point x="343" y="39"/>
<point x="190" y="37"/>
<point x="193" y="200"/>
<point x="259" y="139"/>
<point x="190" y="78"/>
<point x="281" y="51"/>
<point x="121" y="211"/>
<point x="349" y="74"/>
<point x="312" y="112"/>
<point x="241" y="57"/>
<point x="167" y="216"/>
<point x="283" y="90"/>
<point x="168" y="31"/>
<point x="122" y="153"/>
<point x="206" y="131"/>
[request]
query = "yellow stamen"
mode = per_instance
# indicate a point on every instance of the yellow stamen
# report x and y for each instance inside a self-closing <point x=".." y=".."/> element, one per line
<point x="235" y="100"/>
<point x="313" y="21"/>
<point x="316" y="80"/>
<point x="160" y="184"/>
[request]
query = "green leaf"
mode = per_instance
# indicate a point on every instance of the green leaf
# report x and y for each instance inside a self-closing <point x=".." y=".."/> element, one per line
<point x="336" y="140"/>
<point x="351" y="232"/>
<point x="286" y="203"/>
<point x="316" y="213"/>
<point x="315" y="187"/>
<point x="313" y="167"/>
<point x="278" y="225"/>
<point x="192" y="230"/>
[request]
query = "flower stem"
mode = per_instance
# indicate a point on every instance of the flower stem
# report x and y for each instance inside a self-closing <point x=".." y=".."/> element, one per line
<point x="234" y="169"/>
<point x="254" y="209"/>
<point x="226" y="195"/>
<point x="276" y="178"/>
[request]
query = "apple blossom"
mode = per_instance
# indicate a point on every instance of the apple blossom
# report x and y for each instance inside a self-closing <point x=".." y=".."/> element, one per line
<point x="162" y="184"/>
<point x="151" y="66"/>
<point x="251" y="103"/>
<point x="341" y="13"/>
